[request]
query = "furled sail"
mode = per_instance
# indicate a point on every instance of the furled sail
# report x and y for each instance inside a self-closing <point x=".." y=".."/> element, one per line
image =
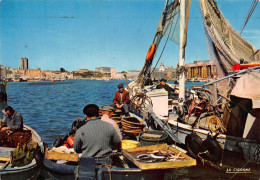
<point x="169" y="26"/>
<point x="226" y="46"/>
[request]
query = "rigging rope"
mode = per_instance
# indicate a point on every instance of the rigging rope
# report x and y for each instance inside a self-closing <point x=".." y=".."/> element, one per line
<point x="165" y="44"/>
<point x="249" y="14"/>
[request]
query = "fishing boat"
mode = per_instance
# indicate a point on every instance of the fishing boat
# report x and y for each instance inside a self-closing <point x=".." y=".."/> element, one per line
<point x="211" y="120"/>
<point x="125" y="164"/>
<point x="11" y="164"/>
<point x="20" y="152"/>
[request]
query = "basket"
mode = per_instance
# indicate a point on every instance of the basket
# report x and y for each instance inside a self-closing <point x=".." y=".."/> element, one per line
<point x="148" y="142"/>
<point x="132" y="125"/>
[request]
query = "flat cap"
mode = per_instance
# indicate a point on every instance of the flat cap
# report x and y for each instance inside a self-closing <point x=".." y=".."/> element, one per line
<point x="163" y="79"/>
<point x="120" y="85"/>
<point x="108" y="108"/>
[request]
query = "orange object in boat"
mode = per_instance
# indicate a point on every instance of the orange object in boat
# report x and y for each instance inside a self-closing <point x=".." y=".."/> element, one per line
<point x="70" y="141"/>
<point x="66" y="145"/>
<point x="150" y="53"/>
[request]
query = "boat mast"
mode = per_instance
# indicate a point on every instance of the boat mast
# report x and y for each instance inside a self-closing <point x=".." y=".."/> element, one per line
<point x="182" y="54"/>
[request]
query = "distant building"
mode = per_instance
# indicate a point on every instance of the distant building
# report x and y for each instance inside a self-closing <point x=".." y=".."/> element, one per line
<point x="162" y="72"/>
<point x="132" y="74"/>
<point x="38" y="74"/>
<point x="4" y="72"/>
<point x="103" y="69"/>
<point x="200" y="69"/>
<point x="161" y="68"/>
<point x="113" y="73"/>
<point x="24" y="63"/>
<point x="81" y="71"/>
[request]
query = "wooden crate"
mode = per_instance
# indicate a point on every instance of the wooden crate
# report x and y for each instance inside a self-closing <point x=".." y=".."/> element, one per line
<point x="132" y="153"/>
<point x="61" y="156"/>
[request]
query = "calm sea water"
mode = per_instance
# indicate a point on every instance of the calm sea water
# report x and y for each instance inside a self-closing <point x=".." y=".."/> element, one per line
<point x="50" y="108"/>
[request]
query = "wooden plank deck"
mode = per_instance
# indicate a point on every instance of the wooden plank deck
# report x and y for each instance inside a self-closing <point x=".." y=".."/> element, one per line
<point x="52" y="155"/>
<point x="132" y="153"/>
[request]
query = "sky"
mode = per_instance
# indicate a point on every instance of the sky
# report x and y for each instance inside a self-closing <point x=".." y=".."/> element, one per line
<point x="76" y="34"/>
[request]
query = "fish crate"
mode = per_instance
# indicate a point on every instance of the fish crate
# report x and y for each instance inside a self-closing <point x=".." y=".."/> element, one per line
<point x="54" y="155"/>
<point x="174" y="158"/>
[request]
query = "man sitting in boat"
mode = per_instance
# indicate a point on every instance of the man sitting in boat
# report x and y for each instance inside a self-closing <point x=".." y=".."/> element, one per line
<point x="171" y="92"/>
<point x="12" y="120"/>
<point x="107" y="112"/>
<point x="96" y="138"/>
<point x="121" y="99"/>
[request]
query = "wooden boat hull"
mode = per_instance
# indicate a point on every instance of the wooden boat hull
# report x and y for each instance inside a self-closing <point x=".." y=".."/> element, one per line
<point x="235" y="152"/>
<point x="62" y="171"/>
<point x="234" y="144"/>
<point x="67" y="169"/>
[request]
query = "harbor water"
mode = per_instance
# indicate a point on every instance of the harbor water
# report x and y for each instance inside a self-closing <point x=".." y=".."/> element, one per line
<point x="51" y="107"/>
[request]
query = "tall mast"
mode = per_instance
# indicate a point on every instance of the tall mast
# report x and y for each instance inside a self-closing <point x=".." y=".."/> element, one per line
<point x="182" y="54"/>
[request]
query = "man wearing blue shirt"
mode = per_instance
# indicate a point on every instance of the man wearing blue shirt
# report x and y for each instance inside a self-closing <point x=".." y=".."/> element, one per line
<point x="12" y="120"/>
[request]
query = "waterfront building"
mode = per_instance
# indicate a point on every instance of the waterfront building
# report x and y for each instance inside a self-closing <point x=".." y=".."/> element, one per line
<point x="24" y="63"/>
<point x="103" y="69"/>
<point x="132" y="74"/>
<point x="38" y="75"/>
<point x="200" y="69"/>
<point x="83" y="70"/>
<point x="161" y="68"/>
<point x="162" y="72"/>
<point x="113" y="73"/>
<point x="5" y="72"/>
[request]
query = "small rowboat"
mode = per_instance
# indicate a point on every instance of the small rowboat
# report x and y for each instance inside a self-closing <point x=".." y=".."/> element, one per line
<point x="6" y="162"/>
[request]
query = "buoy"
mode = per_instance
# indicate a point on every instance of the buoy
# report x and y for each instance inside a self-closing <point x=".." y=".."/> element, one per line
<point x="70" y="141"/>
<point x="212" y="149"/>
<point x="193" y="144"/>
<point x="150" y="53"/>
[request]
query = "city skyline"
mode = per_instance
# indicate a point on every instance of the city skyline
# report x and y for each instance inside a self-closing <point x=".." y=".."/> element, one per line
<point x="116" y="33"/>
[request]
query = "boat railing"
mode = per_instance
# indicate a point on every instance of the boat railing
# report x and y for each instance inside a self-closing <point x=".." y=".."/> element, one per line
<point x="232" y="75"/>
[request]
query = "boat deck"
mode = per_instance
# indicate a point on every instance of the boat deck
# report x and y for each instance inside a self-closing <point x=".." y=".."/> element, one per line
<point x="202" y="122"/>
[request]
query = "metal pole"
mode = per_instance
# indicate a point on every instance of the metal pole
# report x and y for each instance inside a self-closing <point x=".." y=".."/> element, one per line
<point x="235" y="74"/>
<point x="182" y="54"/>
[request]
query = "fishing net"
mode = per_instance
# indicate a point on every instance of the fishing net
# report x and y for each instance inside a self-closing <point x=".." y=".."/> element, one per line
<point x="9" y="139"/>
<point x="20" y="138"/>
<point x="171" y="23"/>
<point x="5" y="139"/>
<point x="226" y="47"/>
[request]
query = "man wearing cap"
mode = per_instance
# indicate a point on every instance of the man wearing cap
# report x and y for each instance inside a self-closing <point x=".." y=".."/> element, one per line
<point x="96" y="138"/>
<point x="121" y="99"/>
<point x="12" y="120"/>
<point x="163" y="85"/>
<point x="107" y="112"/>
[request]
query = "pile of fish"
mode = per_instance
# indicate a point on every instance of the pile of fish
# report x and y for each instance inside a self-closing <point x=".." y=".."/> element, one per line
<point x="159" y="156"/>
<point x="62" y="149"/>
